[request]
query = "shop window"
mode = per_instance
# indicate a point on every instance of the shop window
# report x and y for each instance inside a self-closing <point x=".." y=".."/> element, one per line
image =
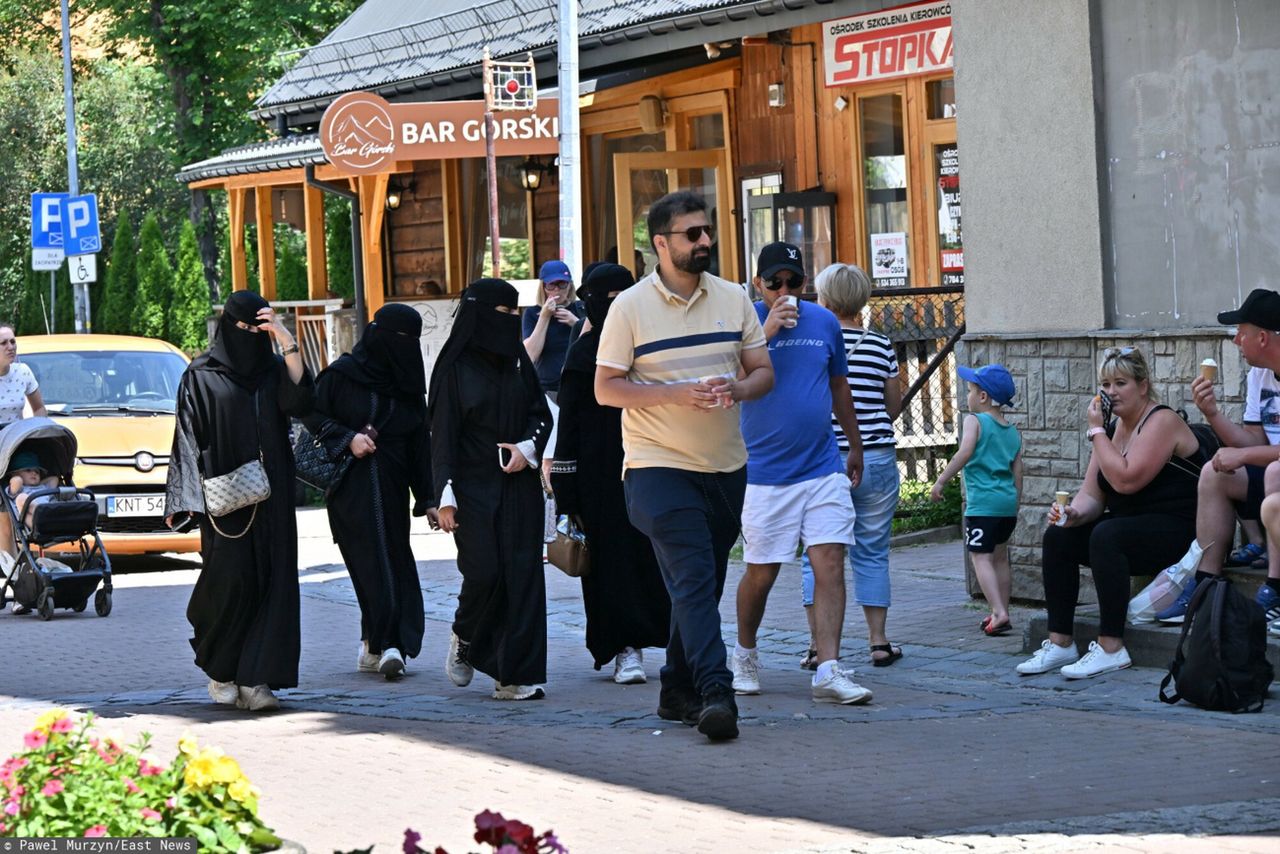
<point x="941" y="97"/>
<point x="602" y="209"/>
<point x="884" y="177"/>
<point x="756" y="231"/>
<point x="946" y="163"/>
<point x="513" y="220"/>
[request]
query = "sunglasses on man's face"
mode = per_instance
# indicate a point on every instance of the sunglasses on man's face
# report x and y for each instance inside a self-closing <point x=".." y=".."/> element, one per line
<point x="694" y="233"/>
<point x="795" y="283"/>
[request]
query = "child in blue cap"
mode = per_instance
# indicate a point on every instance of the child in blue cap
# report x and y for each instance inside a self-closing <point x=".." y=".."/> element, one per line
<point x="991" y="455"/>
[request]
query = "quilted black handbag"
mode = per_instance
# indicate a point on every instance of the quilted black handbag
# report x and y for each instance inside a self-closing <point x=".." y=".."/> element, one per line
<point x="314" y="467"/>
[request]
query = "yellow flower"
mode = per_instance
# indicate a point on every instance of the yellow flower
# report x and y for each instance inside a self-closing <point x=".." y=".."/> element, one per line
<point x="242" y="791"/>
<point x="226" y="770"/>
<point x="47" y="720"/>
<point x="199" y="772"/>
<point x="187" y="744"/>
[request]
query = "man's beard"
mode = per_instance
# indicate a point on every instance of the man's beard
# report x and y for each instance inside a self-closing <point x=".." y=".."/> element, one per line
<point x="697" y="262"/>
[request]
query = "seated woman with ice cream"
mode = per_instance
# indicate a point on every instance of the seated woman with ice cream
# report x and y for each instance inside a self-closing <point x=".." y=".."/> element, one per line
<point x="1134" y="514"/>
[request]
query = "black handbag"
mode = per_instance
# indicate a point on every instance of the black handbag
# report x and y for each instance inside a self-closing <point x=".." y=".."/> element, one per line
<point x="315" y="467"/>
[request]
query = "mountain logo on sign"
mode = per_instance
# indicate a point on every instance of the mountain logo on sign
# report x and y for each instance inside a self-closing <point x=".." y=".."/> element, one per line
<point x="357" y="133"/>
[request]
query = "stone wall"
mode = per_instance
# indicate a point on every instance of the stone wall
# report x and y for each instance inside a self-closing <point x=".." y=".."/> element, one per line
<point x="1056" y="375"/>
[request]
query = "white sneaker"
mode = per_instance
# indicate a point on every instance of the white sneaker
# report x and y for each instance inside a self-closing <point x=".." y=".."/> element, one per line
<point x="455" y="665"/>
<point x="366" y="662"/>
<point x="839" y="688"/>
<point x="628" y="667"/>
<point x="1048" y="657"/>
<point x="391" y="664"/>
<point x="1096" y="662"/>
<point x="257" y="699"/>
<point x="223" y="693"/>
<point x="746" y="672"/>
<point x="517" y="692"/>
<point x="1274" y="629"/>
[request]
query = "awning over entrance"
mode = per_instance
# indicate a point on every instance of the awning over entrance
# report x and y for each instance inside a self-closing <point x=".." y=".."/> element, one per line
<point x="292" y="152"/>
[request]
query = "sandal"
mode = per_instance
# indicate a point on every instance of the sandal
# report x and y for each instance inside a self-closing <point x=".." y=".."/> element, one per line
<point x="810" y="660"/>
<point x="994" y="631"/>
<point x="892" y="654"/>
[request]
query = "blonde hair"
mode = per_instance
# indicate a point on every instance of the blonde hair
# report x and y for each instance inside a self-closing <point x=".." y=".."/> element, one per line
<point x="843" y="288"/>
<point x="1129" y="362"/>
<point x="570" y="294"/>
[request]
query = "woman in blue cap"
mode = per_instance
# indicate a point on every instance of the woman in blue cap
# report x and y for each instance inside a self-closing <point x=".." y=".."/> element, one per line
<point x="547" y="327"/>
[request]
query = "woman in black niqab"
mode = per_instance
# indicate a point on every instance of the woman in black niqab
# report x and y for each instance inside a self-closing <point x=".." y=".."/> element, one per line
<point x="486" y="403"/>
<point x="244" y="608"/>
<point x="625" y="599"/>
<point x="370" y="403"/>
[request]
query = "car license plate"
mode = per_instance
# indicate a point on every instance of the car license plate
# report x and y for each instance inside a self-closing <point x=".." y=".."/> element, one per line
<point x="135" y="505"/>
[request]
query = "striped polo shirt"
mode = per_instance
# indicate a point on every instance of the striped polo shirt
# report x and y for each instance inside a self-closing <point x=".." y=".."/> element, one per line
<point x="657" y="336"/>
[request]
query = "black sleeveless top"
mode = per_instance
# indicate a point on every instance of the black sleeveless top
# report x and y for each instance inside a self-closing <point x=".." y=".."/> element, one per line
<point x="1172" y="491"/>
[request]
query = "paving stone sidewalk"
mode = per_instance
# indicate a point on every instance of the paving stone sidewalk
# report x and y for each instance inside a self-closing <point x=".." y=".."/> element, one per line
<point x="956" y="752"/>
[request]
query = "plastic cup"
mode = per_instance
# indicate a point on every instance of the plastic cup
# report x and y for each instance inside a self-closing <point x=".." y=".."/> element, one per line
<point x="1062" y="499"/>
<point x="717" y="404"/>
<point x="792" y="301"/>
<point x="1209" y="369"/>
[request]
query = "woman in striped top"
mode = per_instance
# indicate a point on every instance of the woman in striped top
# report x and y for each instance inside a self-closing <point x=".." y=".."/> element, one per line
<point x="877" y="398"/>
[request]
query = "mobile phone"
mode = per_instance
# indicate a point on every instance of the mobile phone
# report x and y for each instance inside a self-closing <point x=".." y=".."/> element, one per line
<point x="504" y="457"/>
<point x="370" y="431"/>
<point x="1104" y="401"/>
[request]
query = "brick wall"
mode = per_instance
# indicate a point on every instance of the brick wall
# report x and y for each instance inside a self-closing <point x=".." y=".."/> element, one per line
<point x="1056" y="375"/>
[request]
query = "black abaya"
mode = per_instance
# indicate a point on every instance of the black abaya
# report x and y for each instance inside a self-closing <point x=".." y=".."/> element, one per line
<point x="369" y="508"/>
<point x="244" y="608"/>
<point x="624" y="596"/>
<point x="481" y="400"/>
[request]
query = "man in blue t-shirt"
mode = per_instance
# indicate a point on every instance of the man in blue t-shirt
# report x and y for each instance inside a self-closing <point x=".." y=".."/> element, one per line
<point x="797" y="488"/>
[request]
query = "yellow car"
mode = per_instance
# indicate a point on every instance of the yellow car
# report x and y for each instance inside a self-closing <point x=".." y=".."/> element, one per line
<point x="117" y="394"/>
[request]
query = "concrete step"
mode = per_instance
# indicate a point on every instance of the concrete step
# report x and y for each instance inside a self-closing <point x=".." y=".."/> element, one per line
<point x="1149" y="644"/>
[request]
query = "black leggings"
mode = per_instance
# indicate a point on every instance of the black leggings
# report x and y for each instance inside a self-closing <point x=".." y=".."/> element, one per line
<point x="1115" y="548"/>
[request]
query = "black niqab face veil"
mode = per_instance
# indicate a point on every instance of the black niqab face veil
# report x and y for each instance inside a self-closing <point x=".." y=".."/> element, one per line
<point x="603" y="280"/>
<point x="388" y="356"/>
<point x="243" y="353"/>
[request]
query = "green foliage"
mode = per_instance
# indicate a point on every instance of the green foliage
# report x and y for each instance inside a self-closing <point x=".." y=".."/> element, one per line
<point x="188" y="328"/>
<point x="337" y="247"/>
<point x="155" y="282"/>
<point x="68" y="783"/>
<point x="916" y="512"/>
<point x="116" y="299"/>
<point x="291" y="265"/>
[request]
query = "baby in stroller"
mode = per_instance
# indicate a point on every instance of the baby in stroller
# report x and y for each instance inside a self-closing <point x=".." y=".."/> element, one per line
<point x="40" y="508"/>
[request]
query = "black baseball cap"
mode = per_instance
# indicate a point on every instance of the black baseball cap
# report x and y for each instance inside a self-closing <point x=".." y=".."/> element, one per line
<point x="777" y="257"/>
<point x="1261" y="308"/>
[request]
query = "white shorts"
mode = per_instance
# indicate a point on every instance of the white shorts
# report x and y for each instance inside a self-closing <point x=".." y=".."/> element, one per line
<point x="777" y="519"/>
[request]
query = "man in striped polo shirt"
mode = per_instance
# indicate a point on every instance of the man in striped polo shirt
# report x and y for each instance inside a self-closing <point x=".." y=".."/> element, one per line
<point x="677" y="351"/>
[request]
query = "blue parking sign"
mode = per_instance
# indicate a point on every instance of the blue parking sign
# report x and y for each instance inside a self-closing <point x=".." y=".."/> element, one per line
<point x="80" y="235"/>
<point x="46" y="220"/>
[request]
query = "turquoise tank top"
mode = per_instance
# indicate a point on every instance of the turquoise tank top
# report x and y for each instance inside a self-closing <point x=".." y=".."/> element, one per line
<point x="989" y="489"/>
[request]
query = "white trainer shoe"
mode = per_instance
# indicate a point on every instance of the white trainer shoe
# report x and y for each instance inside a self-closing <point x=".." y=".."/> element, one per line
<point x="391" y="664"/>
<point x="628" y="667"/>
<point x="1096" y="662"/>
<point x="517" y="692"/>
<point x="455" y="665"/>
<point x="366" y="662"/>
<point x="839" y="688"/>
<point x="1048" y="657"/>
<point x="746" y="672"/>
<point x="257" y="699"/>
<point x="223" y="693"/>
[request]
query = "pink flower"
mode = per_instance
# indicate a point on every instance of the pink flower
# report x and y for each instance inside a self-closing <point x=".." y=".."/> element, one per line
<point x="96" y="830"/>
<point x="51" y="788"/>
<point x="411" y="840"/>
<point x="146" y="769"/>
<point x="130" y="786"/>
<point x="11" y="807"/>
<point x="551" y="844"/>
<point x="508" y="849"/>
<point x="171" y="802"/>
<point x="150" y="814"/>
<point x="62" y="725"/>
<point x="35" y="739"/>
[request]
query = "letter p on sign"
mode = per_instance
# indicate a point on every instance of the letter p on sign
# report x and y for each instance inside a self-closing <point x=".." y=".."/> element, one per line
<point x="80" y="235"/>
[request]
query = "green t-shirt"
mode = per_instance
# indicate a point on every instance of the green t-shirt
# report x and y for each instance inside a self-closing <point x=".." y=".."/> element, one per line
<point x="989" y="489"/>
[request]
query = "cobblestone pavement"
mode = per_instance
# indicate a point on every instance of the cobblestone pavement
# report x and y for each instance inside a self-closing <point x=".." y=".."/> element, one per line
<point x="955" y="753"/>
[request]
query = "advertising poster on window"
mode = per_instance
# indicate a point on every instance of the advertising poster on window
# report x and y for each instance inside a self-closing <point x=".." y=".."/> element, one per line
<point x="950" y="244"/>
<point x="888" y="44"/>
<point x="889" y="259"/>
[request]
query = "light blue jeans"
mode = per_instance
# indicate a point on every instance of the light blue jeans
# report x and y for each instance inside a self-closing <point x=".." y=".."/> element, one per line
<point x="874" y="501"/>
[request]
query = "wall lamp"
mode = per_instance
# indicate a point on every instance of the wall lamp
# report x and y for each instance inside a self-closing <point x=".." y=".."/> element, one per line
<point x="396" y="190"/>
<point x="531" y="173"/>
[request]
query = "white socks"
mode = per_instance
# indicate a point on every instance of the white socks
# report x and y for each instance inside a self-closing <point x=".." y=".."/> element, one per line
<point x="825" y="671"/>
<point x="742" y="651"/>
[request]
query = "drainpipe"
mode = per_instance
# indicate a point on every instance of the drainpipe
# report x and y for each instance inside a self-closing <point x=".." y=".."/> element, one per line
<point x="357" y="243"/>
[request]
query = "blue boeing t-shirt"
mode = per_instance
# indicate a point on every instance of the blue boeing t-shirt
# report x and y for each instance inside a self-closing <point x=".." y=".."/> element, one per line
<point x="788" y="431"/>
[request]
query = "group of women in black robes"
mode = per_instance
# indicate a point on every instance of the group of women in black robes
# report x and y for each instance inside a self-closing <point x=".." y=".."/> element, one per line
<point x="626" y="601"/>
<point x="244" y="608"/>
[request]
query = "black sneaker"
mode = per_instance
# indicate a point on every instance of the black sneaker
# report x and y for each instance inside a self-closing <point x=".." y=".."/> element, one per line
<point x="719" y="718"/>
<point x="679" y="704"/>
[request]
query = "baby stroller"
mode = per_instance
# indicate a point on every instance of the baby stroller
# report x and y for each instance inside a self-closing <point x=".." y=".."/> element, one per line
<point x="53" y="514"/>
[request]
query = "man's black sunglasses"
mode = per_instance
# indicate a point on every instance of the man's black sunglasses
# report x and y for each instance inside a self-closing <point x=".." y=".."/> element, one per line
<point x="694" y="232"/>
<point x="795" y="283"/>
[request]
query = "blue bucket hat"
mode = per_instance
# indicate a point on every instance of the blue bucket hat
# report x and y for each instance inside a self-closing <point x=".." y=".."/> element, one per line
<point x="993" y="379"/>
<point x="25" y="460"/>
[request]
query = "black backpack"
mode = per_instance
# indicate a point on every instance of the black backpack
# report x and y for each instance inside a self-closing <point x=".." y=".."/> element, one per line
<point x="1221" y="661"/>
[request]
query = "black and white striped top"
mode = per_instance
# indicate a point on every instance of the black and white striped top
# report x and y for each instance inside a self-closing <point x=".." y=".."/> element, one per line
<point x="870" y="367"/>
